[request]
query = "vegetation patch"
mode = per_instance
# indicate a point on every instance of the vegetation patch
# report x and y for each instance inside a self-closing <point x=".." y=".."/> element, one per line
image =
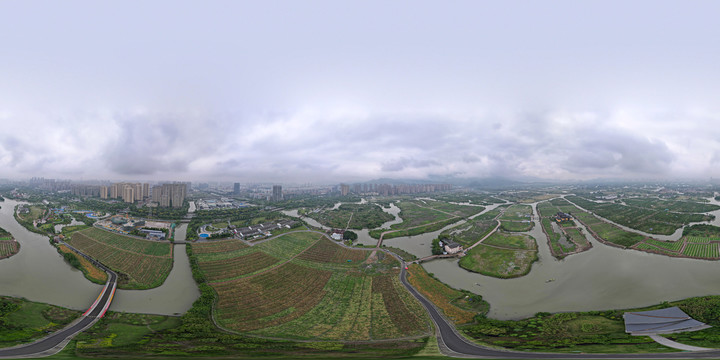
<point x="91" y="272"/>
<point x="141" y="264"/>
<point x="353" y="216"/>
<point x="459" y="306"/>
<point x="315" y="292"/>
<point x="517" y="226"/>
<point x="23" y="321"/>
<point x="650" y="220"/>
<point x="8" y="245"/>
<point x="502" y="256"/>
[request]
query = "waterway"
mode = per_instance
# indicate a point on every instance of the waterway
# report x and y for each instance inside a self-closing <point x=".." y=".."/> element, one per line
<point x="39" y="273"/>
<point x="601" y="278"/>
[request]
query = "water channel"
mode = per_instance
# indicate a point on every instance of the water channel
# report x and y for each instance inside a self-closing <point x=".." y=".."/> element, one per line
<point x="601" y="278"/>
<point x="39" y="273"/>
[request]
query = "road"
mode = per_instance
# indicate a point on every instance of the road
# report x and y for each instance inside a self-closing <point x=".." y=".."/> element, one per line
<point x="56" y="341"/>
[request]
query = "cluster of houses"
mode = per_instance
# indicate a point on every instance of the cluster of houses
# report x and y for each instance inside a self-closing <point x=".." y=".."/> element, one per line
<point x="263" y="229"/>
<point x="562" y="217"/>
<point x="337" y="234"/>
<point x="450" y="246"/>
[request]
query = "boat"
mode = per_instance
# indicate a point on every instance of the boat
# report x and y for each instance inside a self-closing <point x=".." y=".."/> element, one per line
<point x="549" y="280"/>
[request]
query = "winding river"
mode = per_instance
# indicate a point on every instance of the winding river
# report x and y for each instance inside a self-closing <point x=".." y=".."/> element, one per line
<point x="39" y="273"/>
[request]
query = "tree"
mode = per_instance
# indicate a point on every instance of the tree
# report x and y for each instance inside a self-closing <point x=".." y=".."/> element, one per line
<point x="350" y="235"/>
<point x="436" y="249"/>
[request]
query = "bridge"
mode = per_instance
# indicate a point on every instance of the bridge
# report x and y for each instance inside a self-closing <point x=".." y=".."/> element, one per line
<point x="56" y="341"/>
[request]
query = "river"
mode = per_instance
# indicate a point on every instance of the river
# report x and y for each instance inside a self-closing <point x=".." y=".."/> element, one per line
<point x="39" y="273"/>
<point x="601" y="278"/>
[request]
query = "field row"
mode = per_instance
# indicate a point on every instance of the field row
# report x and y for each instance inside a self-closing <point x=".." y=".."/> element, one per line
<point x="138" y="270"/>
<point x="224" y="246"/>
<point x="319" y="295"/>
<point x="147" y="247"/>
<point x="235" y="267"/>
<point x="8" y="248"/>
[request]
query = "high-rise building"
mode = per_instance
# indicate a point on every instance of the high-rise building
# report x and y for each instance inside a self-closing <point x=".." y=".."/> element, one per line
<point x="103" y="192"/>
<point x="156" y="193"/>
<point x="138" y="191"/>
<point x="277" y="193"/>
<point x="236" y="189"/>
<point x="344" y="189"/>
<point x="145" y="190"/>
<point x="129" y="194"/>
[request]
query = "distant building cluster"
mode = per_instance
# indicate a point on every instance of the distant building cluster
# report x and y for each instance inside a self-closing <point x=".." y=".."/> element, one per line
<point x="277" y="194"/>
<point x="388" y="190"/>
<point x="167" y="195"/>
<point x="128" y="192"/>
<point x="263" y="229"/>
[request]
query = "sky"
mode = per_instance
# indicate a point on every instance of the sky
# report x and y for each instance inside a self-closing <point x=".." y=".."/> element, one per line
<point x="338" y="91"/>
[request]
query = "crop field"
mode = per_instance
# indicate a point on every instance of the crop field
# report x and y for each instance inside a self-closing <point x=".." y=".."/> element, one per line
<point x="546" y="209"/>
<point x="647" y="220"/>
<point x="512" y="241"/>
<point x="447" y="299"/>
<point x="8" y="248"/>
<point x="236" y="267"/>
<point x="413" y="231"/>
<point x="455" y="209"/>
<point x="361" y="216"/>
<point x="701" y="239"/>
<point x="577" y="236"/>
<point x="470" y="232"/>
<point x="707" y="250"/>
<point x="315" y="292"/>
<point x="325" y="251"/>
<point x="517" y="226"/>
<point x="142" y="264"/>
<point x="604" y="230"/>
<point x="414" y="214"/>
<point x="491" y="214"/>
<point x="653" y="248"/>
<point x="498" y="262"/>
<point x="674" y="246"/>
<point x="222" y="246"/>
<point x="154" y="248"/>
<point x="472" y="198"/>
<point x="517" y="212"/>
<point x="672" y="205"/>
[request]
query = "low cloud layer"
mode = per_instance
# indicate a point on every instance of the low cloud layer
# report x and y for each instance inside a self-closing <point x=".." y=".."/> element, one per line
<point x="318" y="147"/>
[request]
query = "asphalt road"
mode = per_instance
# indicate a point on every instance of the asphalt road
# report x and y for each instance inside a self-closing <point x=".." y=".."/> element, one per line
<point x="452" y="344"/>
<point x="57" y="341"/>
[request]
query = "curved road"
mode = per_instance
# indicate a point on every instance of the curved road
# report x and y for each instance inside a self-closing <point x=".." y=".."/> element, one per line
<point x="55" y="342"/>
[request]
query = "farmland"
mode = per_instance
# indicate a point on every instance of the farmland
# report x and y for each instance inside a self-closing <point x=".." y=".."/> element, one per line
<point x="8" y="246"/>
<point x="353" y="216"/>
<point x="304" y="286"/>
<point x="470" y="232"/>
<point x="602" y="230"/>
<point x="565" y="239"/>
<point x="517" y="212"/>
<point x="459" y="306"/>
<point x="644" y="219"/>
<point x="688" y="246"/>
<point x="420" y="216"/>
<point x="141" y="264"/>
<point x="517" y="226"/>
<point x="502" y="255"/>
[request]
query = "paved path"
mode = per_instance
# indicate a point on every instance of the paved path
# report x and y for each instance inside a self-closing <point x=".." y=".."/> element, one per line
<point x="676" y="345"/>
<point x="55" y="342"/>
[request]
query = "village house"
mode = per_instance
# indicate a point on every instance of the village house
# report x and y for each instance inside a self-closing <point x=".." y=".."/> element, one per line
<point x="452" y="247"/>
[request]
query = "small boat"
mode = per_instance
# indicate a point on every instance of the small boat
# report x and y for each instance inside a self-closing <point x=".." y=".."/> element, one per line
<point x="478" y="284"/>
<point x="549" y="280"/>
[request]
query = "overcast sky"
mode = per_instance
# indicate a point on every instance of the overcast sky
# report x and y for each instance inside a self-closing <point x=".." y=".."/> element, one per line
<point x="330" y="91"/>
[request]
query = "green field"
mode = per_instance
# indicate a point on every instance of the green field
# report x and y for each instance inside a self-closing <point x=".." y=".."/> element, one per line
<point x="24" y="321"/>
<point x="8" y="246"/>
<point x="470" y="232"/>
<point x="420" y="217"/>
<point x="604" y="230"/>
<point x="359" y="216"/>
<point x="650" y="220"/>
<point x="140" y="264"/>
<point x="517" y="226"/>
<point x="502" y="255"/>
<point x="459" y="306"/>
<point x="517" y="212"/>
<point x="304" y="286"/>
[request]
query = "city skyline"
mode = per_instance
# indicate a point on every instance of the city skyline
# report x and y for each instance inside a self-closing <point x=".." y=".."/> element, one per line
<point x="317" y="92"/>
